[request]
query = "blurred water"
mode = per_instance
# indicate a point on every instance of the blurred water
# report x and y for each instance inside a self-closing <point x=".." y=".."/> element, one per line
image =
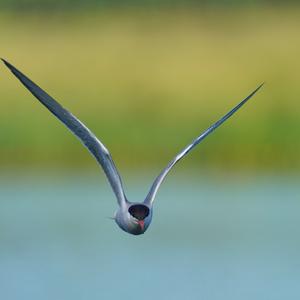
<point x="237" y="239"/>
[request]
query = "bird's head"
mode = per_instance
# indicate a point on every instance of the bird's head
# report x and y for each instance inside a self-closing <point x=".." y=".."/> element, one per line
<point x="136" y="219"/>
<point x="139" y="214"/>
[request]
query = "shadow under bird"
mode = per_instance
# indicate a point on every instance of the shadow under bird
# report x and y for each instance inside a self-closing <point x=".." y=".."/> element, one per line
<point x="133" y="218"/>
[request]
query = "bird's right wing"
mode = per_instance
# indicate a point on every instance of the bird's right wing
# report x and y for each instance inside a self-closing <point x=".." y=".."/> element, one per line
<point x="160" y="178"/>
<point x="98" y="150"/>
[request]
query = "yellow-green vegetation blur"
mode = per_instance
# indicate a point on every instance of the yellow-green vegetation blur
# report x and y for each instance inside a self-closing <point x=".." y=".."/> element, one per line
<point x="148" y="82"/>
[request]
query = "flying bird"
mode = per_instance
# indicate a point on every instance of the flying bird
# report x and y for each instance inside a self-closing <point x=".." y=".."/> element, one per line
<point x="131" y="217"/>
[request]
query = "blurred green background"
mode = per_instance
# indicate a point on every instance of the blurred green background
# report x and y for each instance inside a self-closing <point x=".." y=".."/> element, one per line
<point x="148" y="80"/>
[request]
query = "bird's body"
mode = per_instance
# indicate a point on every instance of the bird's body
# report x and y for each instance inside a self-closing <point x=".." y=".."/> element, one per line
<point x="133" y="218"/>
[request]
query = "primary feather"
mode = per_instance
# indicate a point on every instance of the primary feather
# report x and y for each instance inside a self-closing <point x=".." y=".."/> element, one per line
<point x="159" y="179"/>
<point x="98" y="150"/>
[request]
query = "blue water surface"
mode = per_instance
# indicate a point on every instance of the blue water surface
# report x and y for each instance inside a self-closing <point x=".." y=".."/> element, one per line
<point x="210" y="239"/>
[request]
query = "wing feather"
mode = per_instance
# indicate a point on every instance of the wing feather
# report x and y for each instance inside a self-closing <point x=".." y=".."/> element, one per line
<point x="97" y="149"/>
<point x="160" y="178"/>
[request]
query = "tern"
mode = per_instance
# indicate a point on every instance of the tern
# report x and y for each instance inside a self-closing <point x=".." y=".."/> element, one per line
<point x="132" y="217"/>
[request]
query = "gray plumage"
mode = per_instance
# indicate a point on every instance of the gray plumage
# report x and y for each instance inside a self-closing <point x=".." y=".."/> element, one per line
<point x="133" y="218"/>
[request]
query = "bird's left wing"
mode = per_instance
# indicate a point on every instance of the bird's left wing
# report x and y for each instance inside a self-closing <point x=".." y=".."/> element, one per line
<point x="159" y="179"/>
<point x="96" y="148"/>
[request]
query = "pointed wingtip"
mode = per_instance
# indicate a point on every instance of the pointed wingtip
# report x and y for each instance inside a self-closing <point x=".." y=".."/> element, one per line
<point x="6" y="63"/>
<point x="13" y="69"/>
<point x="252" y="94"/>
<point x="260" y="86"/>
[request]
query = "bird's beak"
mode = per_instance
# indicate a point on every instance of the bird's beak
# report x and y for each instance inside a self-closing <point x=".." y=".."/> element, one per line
<point x="141" y="223"/>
